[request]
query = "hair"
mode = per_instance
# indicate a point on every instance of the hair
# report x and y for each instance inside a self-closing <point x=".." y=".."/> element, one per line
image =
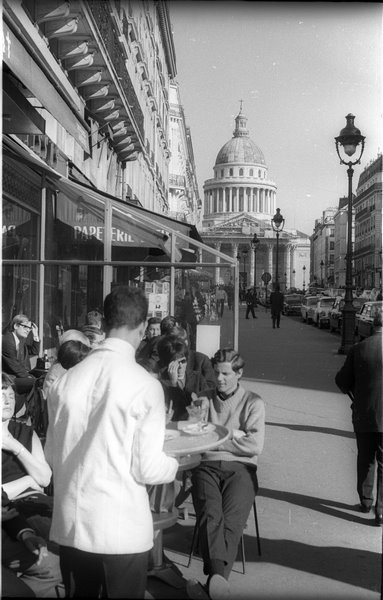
<point x="18" y="319"/>
<point x="378" y="318"/>
<point x="171" y="347"/>
<point x="180" y="332"/>
<point x="150" y="365"/>
<point x="229" y="355"/>
<point x="72" y="352"/>
<point x="154" y="321"/>
<point x="125" y="306"/>
<point x="91" y="331"/>
<point x="7" y="381"/>
<point x="74" y="334"/>
<point x="167" y="324"/>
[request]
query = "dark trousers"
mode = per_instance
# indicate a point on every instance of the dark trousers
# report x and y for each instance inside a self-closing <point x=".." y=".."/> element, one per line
<point x="276" y="317"/>
<point x="103" y="575"/>
<point x="250" y="309"/>
<point x="223" y="493"/>
<point x="220" y="307"/>
<point x="370" y="456"/>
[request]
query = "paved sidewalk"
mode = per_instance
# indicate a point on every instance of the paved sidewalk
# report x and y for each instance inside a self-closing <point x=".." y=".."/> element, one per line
<point x="315" y="543"/>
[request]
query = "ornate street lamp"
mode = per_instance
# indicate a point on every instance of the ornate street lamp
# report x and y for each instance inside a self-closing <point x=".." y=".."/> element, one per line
<point x="321" y="273"/>
<point x="254" y="243"/>
<point x="349" y="138"/>
<point x="277" y="223"/>
<point x="304" y="278"/>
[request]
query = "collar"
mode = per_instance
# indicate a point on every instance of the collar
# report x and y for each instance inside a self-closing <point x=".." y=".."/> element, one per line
<point x="227" y="396"/>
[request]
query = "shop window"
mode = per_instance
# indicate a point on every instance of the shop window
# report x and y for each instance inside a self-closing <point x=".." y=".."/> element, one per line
<point x="19" y="292"/>
<point x="20" y="232"/>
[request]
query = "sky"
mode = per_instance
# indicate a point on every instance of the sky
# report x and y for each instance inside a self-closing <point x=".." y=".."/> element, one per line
<point x="299" y="68"/>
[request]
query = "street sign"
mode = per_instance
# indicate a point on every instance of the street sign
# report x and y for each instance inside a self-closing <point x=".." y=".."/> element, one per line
<point x="266" y="277"/>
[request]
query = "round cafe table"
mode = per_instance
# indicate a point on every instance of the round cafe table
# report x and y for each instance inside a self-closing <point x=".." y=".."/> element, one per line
<point x="187" y="449"/>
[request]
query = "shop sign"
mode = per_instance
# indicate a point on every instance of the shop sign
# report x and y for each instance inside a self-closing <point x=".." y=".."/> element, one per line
<point x="84" y="233"/>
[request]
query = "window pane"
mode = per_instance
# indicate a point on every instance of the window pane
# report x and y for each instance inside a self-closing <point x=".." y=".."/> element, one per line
<point x="75" y="228"/>
<point x="20" y="292"/>
<point x="20" y="232"/>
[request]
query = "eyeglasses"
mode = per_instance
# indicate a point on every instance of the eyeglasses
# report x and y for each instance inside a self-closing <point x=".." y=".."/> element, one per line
<point x="25" y="326"/>
<point x="182" y="361"/>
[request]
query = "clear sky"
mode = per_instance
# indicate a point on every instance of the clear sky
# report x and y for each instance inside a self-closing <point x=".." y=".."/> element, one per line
<point x="299" y="68"/>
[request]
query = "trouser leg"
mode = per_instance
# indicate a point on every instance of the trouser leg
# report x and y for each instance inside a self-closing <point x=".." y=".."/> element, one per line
<point x="365" y="467"/>
<point x="82" y="572"/>
<point x="125" y="575"/>
<point x="238" y="493"/>
<point x="379" y="486"/>
<point x="207" y="502"/>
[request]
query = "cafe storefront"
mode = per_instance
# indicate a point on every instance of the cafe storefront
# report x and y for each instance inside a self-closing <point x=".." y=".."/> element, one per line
<point x="66" y="245"/>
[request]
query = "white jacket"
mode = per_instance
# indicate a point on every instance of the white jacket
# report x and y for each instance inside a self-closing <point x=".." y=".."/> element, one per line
<point x="104" y="444"/>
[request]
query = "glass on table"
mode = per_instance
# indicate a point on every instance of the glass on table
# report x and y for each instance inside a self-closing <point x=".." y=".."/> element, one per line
<point x="198" y="410"/>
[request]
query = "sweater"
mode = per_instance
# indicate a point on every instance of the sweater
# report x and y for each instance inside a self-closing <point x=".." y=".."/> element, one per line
<point x="244" y="415"/>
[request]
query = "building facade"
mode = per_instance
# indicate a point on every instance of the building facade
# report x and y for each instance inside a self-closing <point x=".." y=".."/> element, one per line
<point x="368" y="227"/>
<point x="184" y="200"/>
<point x="86" y="160"/>
<point x="239" y="201"/>
<point x="323" y="250"/>
<point x="340" y="243"/>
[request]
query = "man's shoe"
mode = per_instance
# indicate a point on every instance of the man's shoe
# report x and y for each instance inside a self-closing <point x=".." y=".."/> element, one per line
<point x="218" y="588"/>
<point x="196" y="590"/>
<point x="364" y="508"/>
<point x="379" y="520"/>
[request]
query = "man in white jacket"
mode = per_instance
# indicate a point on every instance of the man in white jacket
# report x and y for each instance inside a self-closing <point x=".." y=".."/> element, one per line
<point x="105" y="445"/>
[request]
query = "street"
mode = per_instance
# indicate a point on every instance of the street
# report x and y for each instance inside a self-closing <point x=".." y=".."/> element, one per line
<point x="315" y="543"/>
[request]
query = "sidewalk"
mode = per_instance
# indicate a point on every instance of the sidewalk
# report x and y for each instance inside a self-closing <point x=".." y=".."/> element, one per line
<point x="315" y="544"/>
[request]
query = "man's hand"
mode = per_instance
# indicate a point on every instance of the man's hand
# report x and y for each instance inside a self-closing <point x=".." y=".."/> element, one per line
<point x="35" y="544"/>
<point x="8" y="513"/>
<point x="35" y="332"/>
<point x="8" y="442"/>
<point x="169" y="412"/>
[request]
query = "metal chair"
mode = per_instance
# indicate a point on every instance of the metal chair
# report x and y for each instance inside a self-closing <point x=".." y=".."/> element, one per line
<point x="242" y="542"/>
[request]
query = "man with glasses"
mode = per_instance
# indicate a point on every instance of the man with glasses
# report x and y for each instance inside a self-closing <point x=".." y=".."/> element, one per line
<point x="18" y="344"/>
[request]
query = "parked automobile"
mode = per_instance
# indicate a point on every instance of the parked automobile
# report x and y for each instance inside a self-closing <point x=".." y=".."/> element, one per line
<point x="307" y="303"/>
<point x="321" y="311"/>
<point x="336" y="315"/>
<point x="292" y="304"/>
<point x="364" y="318"/>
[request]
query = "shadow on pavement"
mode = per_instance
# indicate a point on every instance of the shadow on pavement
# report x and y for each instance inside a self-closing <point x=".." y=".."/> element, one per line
<point x="347" y="565"/>
<point x="357" y="567"/>
<point x="328" y="430"/>
<point x="322" y="505"/>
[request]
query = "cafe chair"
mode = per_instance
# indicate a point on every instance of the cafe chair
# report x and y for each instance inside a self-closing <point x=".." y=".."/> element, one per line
<point x="242" y="543"/>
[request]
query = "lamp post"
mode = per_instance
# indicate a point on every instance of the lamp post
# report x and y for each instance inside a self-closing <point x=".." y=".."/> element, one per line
<point x="349" y="138"/>
<point x="254" y="243"/>
<point x="293" y="282"/>
<point x="304" y="278"/>
<point x="277" y="224"/>
<point x="321" y="272"/>
<point x="285" y="281"/>
<point x="244" y="254"/>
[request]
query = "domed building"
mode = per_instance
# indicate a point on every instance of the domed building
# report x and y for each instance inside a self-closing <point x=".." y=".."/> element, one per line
<point x="240" y="201"/>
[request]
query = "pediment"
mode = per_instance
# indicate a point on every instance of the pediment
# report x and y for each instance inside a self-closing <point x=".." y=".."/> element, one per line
<point x="241" y="224"/>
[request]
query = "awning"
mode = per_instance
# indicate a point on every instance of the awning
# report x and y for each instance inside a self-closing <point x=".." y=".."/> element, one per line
<point x="150" y="226"/>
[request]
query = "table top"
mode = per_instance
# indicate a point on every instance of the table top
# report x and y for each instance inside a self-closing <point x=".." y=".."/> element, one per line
<point x="186" y="444"/>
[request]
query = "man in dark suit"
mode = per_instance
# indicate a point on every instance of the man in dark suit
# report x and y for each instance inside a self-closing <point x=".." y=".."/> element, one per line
<point x="361" y="378"/>
<point x="276" y="304"/>
<point x="251" y="302"/>
<point x="18" y="344"/>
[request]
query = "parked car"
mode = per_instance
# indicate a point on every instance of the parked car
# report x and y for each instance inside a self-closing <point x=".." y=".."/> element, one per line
<point x="364" y="318"/>
<point x="336" y="315"/>
<point x="321" y="311"/>
<point x="292" y="304"/>
<point x="307" y="302"/>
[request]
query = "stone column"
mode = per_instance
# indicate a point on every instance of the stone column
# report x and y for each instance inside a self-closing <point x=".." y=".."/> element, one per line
<point x="231" y="199"/>
<point x="251" y="278"/>
<point x="288" y="266"/>
<point x="270" y="247"/>
<point x="217" y="246"/>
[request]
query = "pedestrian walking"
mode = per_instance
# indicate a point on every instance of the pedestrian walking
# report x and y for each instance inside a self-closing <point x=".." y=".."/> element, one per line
<point x="221" y="298"/>
<point x="105" y="445"/>
<point x="251" y="302"/>
<point x="276" y="304"/>
<point x="361" y="378"/>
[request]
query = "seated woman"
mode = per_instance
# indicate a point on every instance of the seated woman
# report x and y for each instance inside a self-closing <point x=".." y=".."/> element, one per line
<point x="57" y="369"/>
<point x="225" y="483"/>
<point x="179" y="383"/>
